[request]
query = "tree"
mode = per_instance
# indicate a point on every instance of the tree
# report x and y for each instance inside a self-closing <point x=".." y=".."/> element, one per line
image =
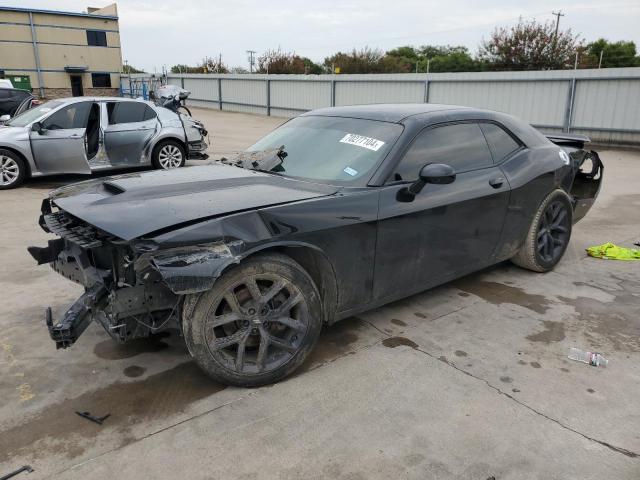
<point x="208" y="65"/>
<point x="614" y="54"/>
<point x="214" y="65"/>
<point x="439" y="58"/>
<point x="366" y="60"/>
<point x="131" y="69"/>
<point x="456" y="59"/>
<point x="530" y="46"/>
<point x="277" y="61"/>
<point x="312" y="68"/>
<point x="182" y="68"/>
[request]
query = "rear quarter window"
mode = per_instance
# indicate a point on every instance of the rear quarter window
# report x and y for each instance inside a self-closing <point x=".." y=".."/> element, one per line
<point x="500" y="142"/>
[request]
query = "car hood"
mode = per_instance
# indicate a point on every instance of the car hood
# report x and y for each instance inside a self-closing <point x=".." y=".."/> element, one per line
<point x="132" y="205"/>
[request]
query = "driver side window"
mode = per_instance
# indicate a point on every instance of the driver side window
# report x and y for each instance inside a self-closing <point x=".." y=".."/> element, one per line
<point x="460" y="145"/>
<point x="73" y="116"/>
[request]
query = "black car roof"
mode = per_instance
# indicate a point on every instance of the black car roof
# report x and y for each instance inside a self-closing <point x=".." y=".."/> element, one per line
<point x="390" y="112"/>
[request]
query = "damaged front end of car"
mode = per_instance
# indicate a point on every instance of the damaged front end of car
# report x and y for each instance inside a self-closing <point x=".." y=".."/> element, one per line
<point x="132" y="288"/>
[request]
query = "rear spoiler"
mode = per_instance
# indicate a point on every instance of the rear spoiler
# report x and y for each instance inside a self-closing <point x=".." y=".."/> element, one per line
<point x="568" y="140"/>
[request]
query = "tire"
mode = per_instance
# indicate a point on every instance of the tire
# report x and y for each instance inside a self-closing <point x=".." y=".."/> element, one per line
<point x="548" y="235"/>
<point x="263" y="338"/>
<point x="13" y="170"/>
<point x="168" y="154"/>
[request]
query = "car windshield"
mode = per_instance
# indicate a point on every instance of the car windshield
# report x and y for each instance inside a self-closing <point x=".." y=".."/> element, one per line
<point x="32" y="114"/>
<point x="330" y="149"/>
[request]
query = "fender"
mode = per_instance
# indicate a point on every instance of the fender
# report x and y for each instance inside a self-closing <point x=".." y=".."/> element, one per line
<point x="193" y="269"/>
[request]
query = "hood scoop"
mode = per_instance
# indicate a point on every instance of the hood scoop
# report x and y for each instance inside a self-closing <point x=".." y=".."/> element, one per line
<point x="113" y="188"/>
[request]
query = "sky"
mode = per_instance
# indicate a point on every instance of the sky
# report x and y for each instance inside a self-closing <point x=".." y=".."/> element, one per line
<point x="157" y="33"/>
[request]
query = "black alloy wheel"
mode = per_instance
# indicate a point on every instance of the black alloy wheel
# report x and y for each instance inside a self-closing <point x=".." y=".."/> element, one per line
<point x="258" y="322"/>
<point x="553" y="232"/>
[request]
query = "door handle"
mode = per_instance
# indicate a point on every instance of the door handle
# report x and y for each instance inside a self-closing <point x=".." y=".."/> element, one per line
<point x="496" y="182"/>
<point x="76" y="135"/>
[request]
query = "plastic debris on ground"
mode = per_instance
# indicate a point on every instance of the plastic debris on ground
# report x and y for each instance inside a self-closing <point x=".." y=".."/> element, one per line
<point x="590" y="358"/>
<point x="609" y="251"/>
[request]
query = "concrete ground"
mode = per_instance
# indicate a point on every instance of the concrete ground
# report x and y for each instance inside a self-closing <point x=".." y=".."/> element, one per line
<point x="470" y="380"/>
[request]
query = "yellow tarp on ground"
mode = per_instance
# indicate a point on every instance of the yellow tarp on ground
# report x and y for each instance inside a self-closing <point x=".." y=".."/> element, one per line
<point x="613" y="252"/>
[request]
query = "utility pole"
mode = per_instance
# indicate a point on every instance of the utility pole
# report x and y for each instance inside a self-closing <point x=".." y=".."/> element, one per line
<point x="219" y="67"/>
<point x="126" y="66"/>
<point x="251" y="54"/>
<point x="600" y="61"/>
<point x="558" y="14"/>
<point x="428" y="63"/>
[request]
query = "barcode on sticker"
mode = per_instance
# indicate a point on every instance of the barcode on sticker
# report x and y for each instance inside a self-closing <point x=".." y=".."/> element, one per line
<point x="362" y="141"/>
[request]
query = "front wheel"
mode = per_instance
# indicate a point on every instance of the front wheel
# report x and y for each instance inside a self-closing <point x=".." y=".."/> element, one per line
<point x="548" y="235"/>
<point x="12" y="170"/>
<point x="257" y="324"/>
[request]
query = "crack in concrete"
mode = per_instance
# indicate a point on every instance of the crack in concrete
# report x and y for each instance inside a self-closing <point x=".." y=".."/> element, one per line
<point x="148" y="435"/>
<point x="624" y="451"/>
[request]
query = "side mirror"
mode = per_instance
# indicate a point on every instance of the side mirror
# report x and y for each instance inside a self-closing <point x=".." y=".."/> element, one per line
<point x="435" y="173"/>
<point x="5" y="118"/>
<point x="37" y="127"/>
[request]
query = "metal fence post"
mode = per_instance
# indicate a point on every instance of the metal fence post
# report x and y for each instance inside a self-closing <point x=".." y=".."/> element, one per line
<point x="426" y="91"/>
<point x="333" y="93"/>
<point x="182" y="82"/>
<point x="268" y="97"/>
<point x="568" y="113"/>
<point x="219" y="93"/>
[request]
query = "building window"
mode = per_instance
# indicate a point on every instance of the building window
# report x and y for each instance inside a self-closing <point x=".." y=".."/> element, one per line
<point x="96" y="38"/>
<point x="101" y="80"/>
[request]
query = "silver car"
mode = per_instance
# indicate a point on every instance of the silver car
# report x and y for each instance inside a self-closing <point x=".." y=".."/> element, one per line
<point x="84" y="135"/>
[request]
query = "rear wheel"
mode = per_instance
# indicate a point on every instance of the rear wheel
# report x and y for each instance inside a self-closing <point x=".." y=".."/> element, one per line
<point x="13" y="170"/>
<point x="257" y="324"/>
<point x="548" y="235"/>
<point x="168" y="154"/>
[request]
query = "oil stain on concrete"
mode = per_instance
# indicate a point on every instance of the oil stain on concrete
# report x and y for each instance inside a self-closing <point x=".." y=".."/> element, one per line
<point x="553" y="332"/>
<point x="134" y="371"/>
<point x="57" y="429"/>
<point x="400" y="323"/>
<point x="499" y="293"/>
<point x="335" y="341"/>
<point x="393" y="342"/>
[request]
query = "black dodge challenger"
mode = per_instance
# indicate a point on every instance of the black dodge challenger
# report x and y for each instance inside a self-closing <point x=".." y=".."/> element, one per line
<point x="337" y="211"/>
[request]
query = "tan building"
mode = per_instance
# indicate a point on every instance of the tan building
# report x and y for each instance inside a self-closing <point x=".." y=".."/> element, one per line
<point x="63" y="53"/>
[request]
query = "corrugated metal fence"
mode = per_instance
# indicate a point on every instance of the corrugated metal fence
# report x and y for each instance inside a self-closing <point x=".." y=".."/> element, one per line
<point x="604" y="104"/>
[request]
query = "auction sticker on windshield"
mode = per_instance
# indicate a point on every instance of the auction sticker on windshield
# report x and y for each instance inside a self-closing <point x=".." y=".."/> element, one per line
<point x="361" y="141"/>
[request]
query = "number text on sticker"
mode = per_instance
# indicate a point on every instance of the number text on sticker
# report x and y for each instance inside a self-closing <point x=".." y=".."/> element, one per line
<point x="361" y="141"/>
